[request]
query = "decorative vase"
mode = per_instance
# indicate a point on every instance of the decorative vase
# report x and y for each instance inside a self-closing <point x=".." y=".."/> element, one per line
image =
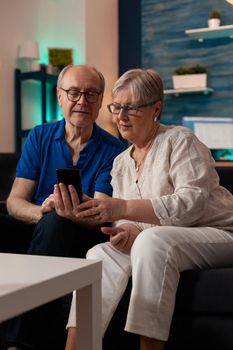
<point x="214" y="22"/>
<point x="189" y="81"/>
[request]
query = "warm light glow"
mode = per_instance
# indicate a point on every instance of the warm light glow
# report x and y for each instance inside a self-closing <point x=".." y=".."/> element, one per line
<point x="29" y="49"/>
<point x="230" y="1"/>
<point x="28" y="53"/>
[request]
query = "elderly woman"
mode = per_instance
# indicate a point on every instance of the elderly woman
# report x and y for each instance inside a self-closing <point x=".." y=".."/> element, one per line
<point x="170" y="214"/>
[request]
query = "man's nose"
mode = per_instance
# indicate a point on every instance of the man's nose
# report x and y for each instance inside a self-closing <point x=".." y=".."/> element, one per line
<point x="82" y="99"/>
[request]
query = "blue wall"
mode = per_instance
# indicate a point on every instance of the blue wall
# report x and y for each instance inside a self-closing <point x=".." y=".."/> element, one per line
<point x="165" y="46"/>
<point x="129" y="34"/>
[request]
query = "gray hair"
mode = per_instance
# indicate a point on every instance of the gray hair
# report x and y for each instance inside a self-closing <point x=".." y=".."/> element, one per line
<point x="65" y="69"/>
<point x="145" y="85"/>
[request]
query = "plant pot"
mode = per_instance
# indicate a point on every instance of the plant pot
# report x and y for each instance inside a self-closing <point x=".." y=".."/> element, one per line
<point x="189" y="81"/>
<point x="214" y="22"/>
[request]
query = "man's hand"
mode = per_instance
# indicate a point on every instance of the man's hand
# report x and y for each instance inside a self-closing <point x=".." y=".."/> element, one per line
<point x="48" y="204"/>
<point x="67" y="205"/>
<point x="66" y="201"/>
<point x="122" y="237"/>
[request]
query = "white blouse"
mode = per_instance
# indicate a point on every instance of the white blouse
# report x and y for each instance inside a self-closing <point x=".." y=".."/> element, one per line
<point x="179" y="178"/>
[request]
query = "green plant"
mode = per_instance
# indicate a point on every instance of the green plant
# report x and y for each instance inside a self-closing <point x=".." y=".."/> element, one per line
<point x="197" y="69"/>
<point x="215" y="13"/>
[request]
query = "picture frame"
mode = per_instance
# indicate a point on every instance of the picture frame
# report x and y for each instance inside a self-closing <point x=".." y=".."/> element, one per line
<point x="60" y="57"/>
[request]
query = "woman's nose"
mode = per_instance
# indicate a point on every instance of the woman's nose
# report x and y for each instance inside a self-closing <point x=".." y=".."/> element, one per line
<point x="123" y="114"/>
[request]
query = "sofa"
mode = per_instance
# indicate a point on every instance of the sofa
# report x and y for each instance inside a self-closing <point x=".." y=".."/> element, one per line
<point x="203" y="317"/>
<point x="8" y="163"/>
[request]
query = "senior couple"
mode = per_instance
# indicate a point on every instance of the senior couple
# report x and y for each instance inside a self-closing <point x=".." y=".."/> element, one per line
<point x="168" y="212"/>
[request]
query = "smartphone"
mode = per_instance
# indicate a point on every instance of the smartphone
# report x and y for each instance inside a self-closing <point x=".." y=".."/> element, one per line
<point x="70" y="176"/>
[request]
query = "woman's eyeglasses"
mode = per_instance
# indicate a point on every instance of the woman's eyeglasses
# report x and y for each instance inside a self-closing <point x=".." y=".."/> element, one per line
<point x="116" y="108"/>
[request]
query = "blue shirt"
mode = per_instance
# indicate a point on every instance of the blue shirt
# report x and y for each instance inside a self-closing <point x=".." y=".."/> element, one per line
<point x="46" y="150"/>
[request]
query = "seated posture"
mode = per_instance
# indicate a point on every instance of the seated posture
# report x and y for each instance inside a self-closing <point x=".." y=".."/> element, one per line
<point x="170" y="214"/>
<point x="42" y="219"/>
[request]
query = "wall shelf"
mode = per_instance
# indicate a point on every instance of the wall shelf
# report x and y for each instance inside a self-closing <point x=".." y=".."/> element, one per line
<point x="201" y="34"/>
<point x="177" y="92"/>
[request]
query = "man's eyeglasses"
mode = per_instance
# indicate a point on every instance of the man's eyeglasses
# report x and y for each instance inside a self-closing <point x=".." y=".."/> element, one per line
<point x="74" y="95"/>
<point x="116" y="108"/>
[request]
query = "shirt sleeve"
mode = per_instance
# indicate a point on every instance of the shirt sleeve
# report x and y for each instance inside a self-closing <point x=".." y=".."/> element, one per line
<point x="29" y="164"/>
<point x="191" y="166"/>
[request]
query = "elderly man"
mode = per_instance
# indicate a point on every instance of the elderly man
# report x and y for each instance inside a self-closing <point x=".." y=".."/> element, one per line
<point x="75" y="141"/>
<point x="46" y="215"/>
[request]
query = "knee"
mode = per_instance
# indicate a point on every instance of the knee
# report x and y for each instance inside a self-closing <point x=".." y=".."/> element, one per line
<point x="49" y="224"/>
<point x="158" y="244"/>
<point x="50" y="218"/>
<point x="148" y="238"/>
<point x="96" y="252"/>
<point x="154" y="241"/>
<point x="107" y="253"/>
<point x="52" y="236"/>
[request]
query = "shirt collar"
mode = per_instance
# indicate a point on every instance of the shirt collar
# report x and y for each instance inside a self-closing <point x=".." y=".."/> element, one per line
<point x="95" y="136"/>
<point x="60" y="131"/>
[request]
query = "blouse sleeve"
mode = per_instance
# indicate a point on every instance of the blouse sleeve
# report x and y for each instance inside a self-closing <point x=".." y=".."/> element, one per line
<point x="190" y="172"/>
<point x="117" y="194"/>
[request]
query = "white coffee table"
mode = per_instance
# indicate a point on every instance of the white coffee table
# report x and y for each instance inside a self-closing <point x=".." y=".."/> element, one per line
<point x="28" y="281"/>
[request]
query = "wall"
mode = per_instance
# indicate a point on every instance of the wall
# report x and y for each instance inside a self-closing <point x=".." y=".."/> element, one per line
<point x="87" y="26"/>
<point x="102" y="48"/>
<point x="165" y="46"/>
<point x="129" y="35"/>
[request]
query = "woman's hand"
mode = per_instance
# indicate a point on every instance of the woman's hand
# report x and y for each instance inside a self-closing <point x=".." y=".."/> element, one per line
<point x="102" y="209"/>
<point x="48" y="204"/>
<point x="122" y="237"/>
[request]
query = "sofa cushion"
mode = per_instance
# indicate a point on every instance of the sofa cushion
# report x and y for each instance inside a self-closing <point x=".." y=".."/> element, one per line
<point x="226" y="177"/>
<point x="200" y="332"/>
<point x="207" y="291"/>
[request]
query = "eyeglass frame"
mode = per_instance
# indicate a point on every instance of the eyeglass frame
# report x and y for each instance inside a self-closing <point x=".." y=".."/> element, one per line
<point x="127" y="108"/>
<point x="80" y="94"/>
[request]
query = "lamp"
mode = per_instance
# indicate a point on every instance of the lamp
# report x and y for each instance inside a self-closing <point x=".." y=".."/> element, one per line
<point x="230" y="1"/>
<point x="29" y="52"/>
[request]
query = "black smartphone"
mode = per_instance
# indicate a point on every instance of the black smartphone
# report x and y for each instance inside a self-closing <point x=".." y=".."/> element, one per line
<point x="70" y="176"/>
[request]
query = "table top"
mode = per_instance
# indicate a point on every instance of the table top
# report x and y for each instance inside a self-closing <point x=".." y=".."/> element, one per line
<point x="27" y="281"/>
<point x="224" y="164"/>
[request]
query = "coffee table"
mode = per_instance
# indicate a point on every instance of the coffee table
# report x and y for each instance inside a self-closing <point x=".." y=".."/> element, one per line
<point x="28" y="281"/>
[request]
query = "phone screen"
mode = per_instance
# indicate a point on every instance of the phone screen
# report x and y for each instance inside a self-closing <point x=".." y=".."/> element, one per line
<point x="70" y="176"/>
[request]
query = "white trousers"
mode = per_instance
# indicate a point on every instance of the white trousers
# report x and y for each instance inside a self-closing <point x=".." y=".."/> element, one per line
<point x="157" y="257"/>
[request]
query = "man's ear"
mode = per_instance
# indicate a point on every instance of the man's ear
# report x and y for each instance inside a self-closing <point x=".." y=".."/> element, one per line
<point x="59" y="97"/>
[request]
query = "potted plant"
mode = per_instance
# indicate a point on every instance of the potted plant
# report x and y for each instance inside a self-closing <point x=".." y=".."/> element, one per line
<point x="189" y="77"/>
<point x="214" y="18"/>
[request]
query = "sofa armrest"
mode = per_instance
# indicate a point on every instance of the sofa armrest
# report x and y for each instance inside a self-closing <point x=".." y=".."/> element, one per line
<point x="8" y="162"/>
<point x="3" y="208"/>
<point x="226" y="176"/>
